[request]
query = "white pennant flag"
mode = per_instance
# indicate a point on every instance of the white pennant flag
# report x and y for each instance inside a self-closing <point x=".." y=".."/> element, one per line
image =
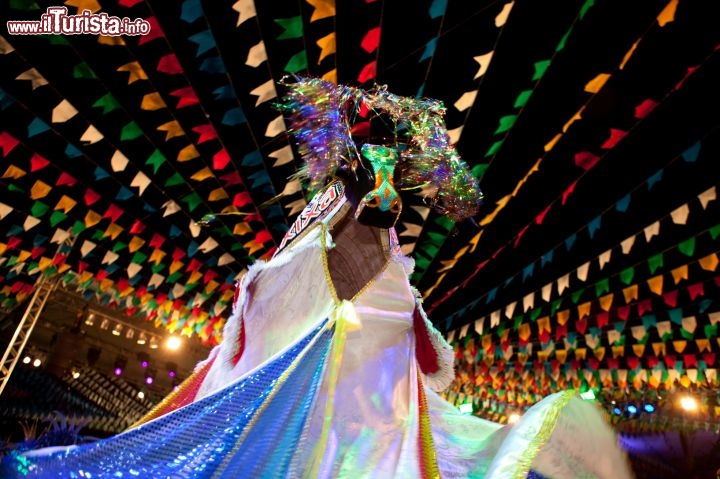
<point x="4" y="210"/>
<point x="30" y="222"/>
<point x="291" y="187"/>
<point x="295" y="206"/>
<point x="484" y="61"/>
<point x="411" y="230"/>
<point x="282" y="156"/>
<point x="264" y="92"/>
<point x="119" y="162"/>
<point x="63" y="112"/>
<point x="689" y="324"/>
<point x="423" y="211"/>
<point x="256" y="55"/>
<point x="714" y="317"/>
<point x="454" y="134"/>
<point x="528" y="302"/>
<point x="275" y="127"/>
<point x="707" y="196"/>
<point x="604" y="258"/>
<point x="638" y="332"/>
<point x="562" y="283"/>
<point x="91" y="136"/>
<point x="226" y="258"/>
<point x="652" y="230"/>
<point x="480" y="325"/>
<point x="613" y="336"/>
<point x="170" y="208"/>
<point x="208" y="245"/>
<point x="246" y="9"/>
<point x="5" y="47"/>
<point x="133" y="269"/>
<point x="504" y="14"/>
<point x="582" y="271"/>
<point x="195" y="229"/>
<point x="110" y="257"/>
<point x="141" y="181"/>
<point x="663" y="328"/>
<point x="178" y="290"/>
<point x="680" y="215"/>
<point x="494" y="318"/>
<point x="87" y="247"/>
<point x="60" y="236"/>
<point x="510" y="309"/>
<point x="450" y="336"/>
<point x="464" y="330"/>
<point x="627" y="244"/>
<point x="546" y="292"/>
<point x="466" y="100"/>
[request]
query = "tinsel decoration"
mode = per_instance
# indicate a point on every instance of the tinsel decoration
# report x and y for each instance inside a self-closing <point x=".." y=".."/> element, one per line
<point x="321" y="115"/>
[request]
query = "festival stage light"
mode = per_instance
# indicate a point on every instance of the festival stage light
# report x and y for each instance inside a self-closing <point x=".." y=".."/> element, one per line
<point x="513" y="418"/>
<point x="617" y="411"/>
<point x="649" y="408"/>
<point x="173" y="343"/>
<point x="688" y="403"/>
<point x="631" y="408"/>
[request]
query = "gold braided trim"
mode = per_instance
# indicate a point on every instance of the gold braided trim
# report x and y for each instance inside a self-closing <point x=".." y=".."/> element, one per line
<point x="543" y="435"/>
<point x="428" y="457"/>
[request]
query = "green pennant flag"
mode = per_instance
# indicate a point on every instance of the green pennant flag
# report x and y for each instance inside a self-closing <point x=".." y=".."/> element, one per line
<point x="478" y="170"/>
<point x="446" y="223"/>
<point x="576" y="295"/>
<point x="118" y="246"/>
<point x="292" y="27"/>
<point x="555" y="306"/>
<point x="193" y="200"/>
<point x="297" y="62"/>
<point x="687" y="247"/>
<point x="602" y="287"/>
<point x="627" y="275"/>
<point x="563" y="40"/>
<point x="130" y="131"/>
<point x="711" y="331"/>
<point x="522" y="98"/>
<point x="540" y="69"/>
<point x="506" y="122"/>
<point x="57" y="217"/>
<point x="715" y="232"/>
<point x="157" y="268"/>
<point x="24" y="5"/>
<point x="39" y="209"/>
<point x="655" y="262"/>
<point x="535" y="314"/>
<point x="83" y="70"/>
<point x="156" y="159"/>
<point x="174" y="278"/>
<point x="98" y="235"/>
<point x="78" y="228"/>
<point x="53" y="39"/>
<point x="174" y="180"/>
<point x="107" y="102"/>
<point x="494" y="148"/>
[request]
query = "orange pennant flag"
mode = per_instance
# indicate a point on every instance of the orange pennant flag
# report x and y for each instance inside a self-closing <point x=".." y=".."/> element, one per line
<point x="606" y="302"/>
<point x="135" y="244"/>
<point x="153" y="101"/>
<point x="709" y="262"/>
<point x="113" y="230"/>
<point x="242" y="229"/>
<point x="561" y="355"/>
<point x="638" y="349"/>
<point x="39" y="190"/>
<point x="680" y="273"/>
<point x="157" y="256"/>
<point x="14" y="172"/>
<point x="563" y="316"/>
<point x="218" y="194"/>
<point x="188" y="153"/>
<point x="660" y="349"/>
<point x="327" y="46"/>
<point x="656" y="284"/>
<point x="600" y="353"/>
<point x="584" y="310"/>
<point x="630" y="293"/>
<point x="65" y="204"/>
<point x="135" y="70"/>
<point x="679" y="346"/>
<point x="92" y="218"/>
<point x="172" y="128"/>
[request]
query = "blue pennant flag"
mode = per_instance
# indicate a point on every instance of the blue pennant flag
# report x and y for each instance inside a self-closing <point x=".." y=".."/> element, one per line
<point x="191" y="11"/>
<point x="204" y="41"/>
<point x="37" y="126"/>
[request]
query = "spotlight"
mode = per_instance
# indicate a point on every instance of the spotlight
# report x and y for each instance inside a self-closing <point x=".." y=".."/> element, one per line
<point x="37" y="362"/>
<point x="142" y="338"/>
<point x="154" y="342"/>
<point x="514" y="417"/>
<point x="27" y="360"/>
<point x="141" y="395"/>
<point x="105" y="323"/>
<point x="130" y="333"/>
<point x="649" y="408"/>
<point x="173" y="343"/>
<point x="149" y="376"/>
<point x="617" y="411"/>
<point x="117" y="330"/>
<point x="631" y="408"/>
<point x="688" y="403"/>
<point x="90" y="319"/>
<point x="120" y="364"/>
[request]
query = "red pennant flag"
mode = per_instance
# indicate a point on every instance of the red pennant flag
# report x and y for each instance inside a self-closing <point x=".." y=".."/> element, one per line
<point x="615" y="137"/>
<point x="568" y="192"/>
<point x="652" y="361"/>
<point x="690" y="360"/>
<point x="231" y="179"/>
<point x="101" y="275"/>
<point x="137" y="227"/>
<point x="263" y="237"/>
<point x="623" y="312"/>
<point x="123" y="284"/>
<point x="82" y="266"/>
<point x="7" y="143"/>
<point x="613" y="363"/>
<point x="371" y="40"/>
<point x="169" y="64"/>
<point x="644" y="306"/>
<point x="368" y="72"/>
<point x="241" y="199"/>
<point x="670" y="361"/>
<point x="644" y="108"/>
<point x="60" y="259"/>
<point x="520" y="235"/>
<point x="13" y="242"/>
<point x="206" y="132"/>
<point x="695" y="290"/>
<point x="209" y="276"/>
<point x="539" y="218"/>
<point x="155" y="32"/>
<point x="178" y="254"/>
<point x="670" y="298"/>
<point x="581" y="325"/>
<point x="594" y="364"/>
<point x="187" y="97"/>
<point x="689" y="72"/>
<point x="602" y="319"/>
<point x="114" y="212"/>
<point x="221" y="159"/>
<point x="194" y="265"/>
<point x="709" y="359"/>
<point x="128" y="3"/>
<point x="37" y="251"/>
<point x="37" y="162"/>
<point x="560" y="332"/>
<point x="633" y="362"/>
<point x="586" y="160"/>
<point x="65" y="179"/>
<point x="91" y="197"/>
<point x="544" y="337"/>
<point x="157" y="241"/>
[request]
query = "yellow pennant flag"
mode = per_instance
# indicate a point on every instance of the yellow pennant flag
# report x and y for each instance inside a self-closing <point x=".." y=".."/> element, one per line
<point x="195" y="277"/>
<point x="92" y="218"/>
<point x="544" y="324"/>
<point x="576" y="117"/>
<point x="659" y="349"/>
<point x="551" y="144"/>
<point x="188" y="153"/>
<point x="499" y="205"/>
<point x="638" y="349"/>
<point x="135" y="70"/>
<point x="656" y="284"/>
<point x="629" y="54"/>
<point x="618" y="351"/>
<point x="630" y="293"/>
<point x="474" y="241"/>
<point x="39" y="190"/>
<point x="172" y="129"/>
<point x="680" y="273"/>
<point x="563" y="316"/>
<point x="561" y="355"/>
<point x="65" y="204"/>
<point x="524" y="331"/>
<point x="679" y="346"/>
<point x="709" y="262"/>
<point x="580" y="354"/>
<point x="153" y="101"/>
<point x="600" y="352"/>
<point x="327" y="46"/>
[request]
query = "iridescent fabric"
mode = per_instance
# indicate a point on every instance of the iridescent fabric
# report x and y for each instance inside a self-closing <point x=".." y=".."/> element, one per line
<point x="318" y="376"/>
